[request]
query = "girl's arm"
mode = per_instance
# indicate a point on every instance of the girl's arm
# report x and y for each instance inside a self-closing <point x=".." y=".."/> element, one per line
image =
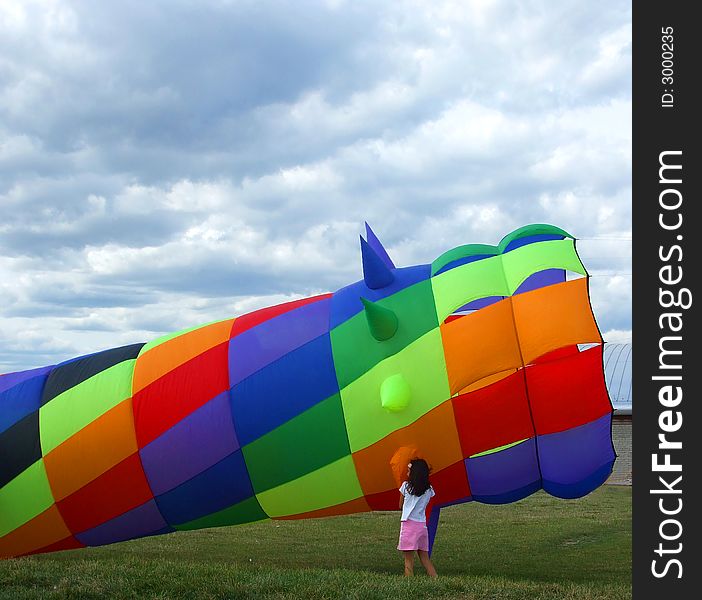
<point x="402" y="500"/>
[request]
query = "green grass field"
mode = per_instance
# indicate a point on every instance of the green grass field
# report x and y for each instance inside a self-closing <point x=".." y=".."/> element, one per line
<point x="540" y="547"/>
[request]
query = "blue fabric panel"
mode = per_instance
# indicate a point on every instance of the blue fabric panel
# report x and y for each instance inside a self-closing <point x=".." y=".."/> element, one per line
<point x="346" y="301"/>
<point x="570" y="459"/>
<point x="270" y="340"/>
<point x="283" y="389"/>
<point x="462" y="261"/>
<point x="506" y="475"/>
<point x="530" y="239"/>
<point x="432" y="525"/>
<point x="20" y="395"/>
<point x="222" y="485"/>
<point x="511" y="496"/>
<point x="583" y="487"/>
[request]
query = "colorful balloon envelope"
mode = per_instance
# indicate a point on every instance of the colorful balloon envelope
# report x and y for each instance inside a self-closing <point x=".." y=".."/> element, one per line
<point x="486" y="362"/>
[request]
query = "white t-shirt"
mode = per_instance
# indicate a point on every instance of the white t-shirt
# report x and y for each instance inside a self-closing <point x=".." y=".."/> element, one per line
<point x="414" y="507"/>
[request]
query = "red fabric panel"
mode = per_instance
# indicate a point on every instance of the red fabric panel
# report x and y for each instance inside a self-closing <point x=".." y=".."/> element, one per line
<point x="171" y="398"/>
<point x="450" y="485"/>
<point x="115" y="492"/>
<point x="252" y="319"/>
<point x="556" y="354"/>
<point x="388" y="500"/>
<point x="493" y="416"/>
<point x="69" y="543"/>
<point x="453" y="318"/>
<point x="568" y="392"/>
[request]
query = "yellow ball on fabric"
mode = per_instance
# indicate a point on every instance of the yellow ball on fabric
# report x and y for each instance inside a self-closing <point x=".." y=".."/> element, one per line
<point x="395" y="393"/>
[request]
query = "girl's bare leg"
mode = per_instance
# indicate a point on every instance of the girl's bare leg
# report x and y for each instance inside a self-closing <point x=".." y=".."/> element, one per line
<point x="426" y="562"/>
<point x="409" y="562"/>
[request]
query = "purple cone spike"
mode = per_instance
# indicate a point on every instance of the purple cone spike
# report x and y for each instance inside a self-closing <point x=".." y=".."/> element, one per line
<point x="375" y="272"/>
<point x="378" y="247"/>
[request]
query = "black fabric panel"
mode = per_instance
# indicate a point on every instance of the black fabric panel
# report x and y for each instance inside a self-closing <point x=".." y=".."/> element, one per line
<point x="19" y="447"/>
<point x="70" y="374"/>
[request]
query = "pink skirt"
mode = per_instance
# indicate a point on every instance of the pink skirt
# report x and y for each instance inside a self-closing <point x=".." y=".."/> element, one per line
<point x="413" y="536"/>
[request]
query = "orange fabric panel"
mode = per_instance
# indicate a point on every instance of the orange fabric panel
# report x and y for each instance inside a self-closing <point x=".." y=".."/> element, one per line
<point x="100" y="445"/>
<point x="554" y="316"/>
<point x="486" y="381"/>
<point x="400" y="461"/>
<point x="346" y="508"/>
<point x="435" y="437"/>
<point x="480" y="344"/>
<point x="43" y="530"/>
<point x="161" y="359"/>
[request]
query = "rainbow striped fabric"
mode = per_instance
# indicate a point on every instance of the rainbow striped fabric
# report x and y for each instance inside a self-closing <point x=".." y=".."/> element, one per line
<point x="487" y="363"/>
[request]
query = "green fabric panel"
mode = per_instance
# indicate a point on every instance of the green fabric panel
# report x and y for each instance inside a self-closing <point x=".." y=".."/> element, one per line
<point x="459" y="252"/>
<point x="463" y="284"/>
<point x="356" y="350"/>
<point x="498" y="449"/>
<point x="528" y="230"/>
<point x="170" y="336"/>
<point x="311" y="440"/>
<point x="333" y="484"/>
<point x="554" y="254"/>
<point x="25" y="497"/>
<point x="246" y="511"/>
<point x="423" y="366"/>
<point x="69" y="412"/>
<point x="478" y="249"/>
<point x="501" y="275"/>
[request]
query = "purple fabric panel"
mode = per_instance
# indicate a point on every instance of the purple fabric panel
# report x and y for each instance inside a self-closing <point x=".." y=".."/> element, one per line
<point x="21" y="398"/>
<point x="503" y="471"/>
<point x="533" y="282"/>
<point x="541" y="279"/>
<point x="140" y="521"/>
<point x="480" y="303"/>
<point x="259" y="346"/>
<point x="572" y="455"/>
<point x="11" y="379"/>
<point x="194" y="444"/>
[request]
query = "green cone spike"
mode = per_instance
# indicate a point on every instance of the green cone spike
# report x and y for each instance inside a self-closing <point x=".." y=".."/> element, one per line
<point x="382" y="322"/>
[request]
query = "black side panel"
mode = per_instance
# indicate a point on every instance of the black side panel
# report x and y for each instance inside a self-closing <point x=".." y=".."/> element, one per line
<point x="70" y="374"/>
<point x="19" y="447"/>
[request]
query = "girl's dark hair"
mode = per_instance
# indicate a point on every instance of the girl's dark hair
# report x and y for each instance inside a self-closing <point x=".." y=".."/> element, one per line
<point x="418" y="480"/>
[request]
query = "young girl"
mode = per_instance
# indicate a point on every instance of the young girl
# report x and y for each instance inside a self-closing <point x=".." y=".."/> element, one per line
<point x="416" y="492"/>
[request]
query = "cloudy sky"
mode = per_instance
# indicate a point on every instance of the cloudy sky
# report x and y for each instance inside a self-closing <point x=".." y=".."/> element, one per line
<point x="168" y="163"/>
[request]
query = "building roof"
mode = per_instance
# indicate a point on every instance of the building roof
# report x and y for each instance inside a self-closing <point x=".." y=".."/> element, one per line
<point x="617" y="366"/>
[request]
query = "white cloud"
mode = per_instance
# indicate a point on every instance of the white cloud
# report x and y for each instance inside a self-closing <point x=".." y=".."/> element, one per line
<point x="152" y="178"/>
